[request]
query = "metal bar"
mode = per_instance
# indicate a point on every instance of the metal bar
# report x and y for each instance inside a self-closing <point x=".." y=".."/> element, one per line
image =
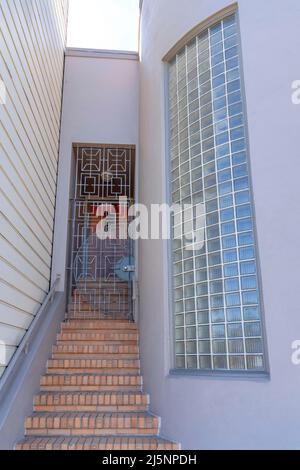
<point x="24" y="345"/>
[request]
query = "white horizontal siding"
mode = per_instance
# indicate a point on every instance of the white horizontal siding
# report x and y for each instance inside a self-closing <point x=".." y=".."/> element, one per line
<point x="32" y="38"/>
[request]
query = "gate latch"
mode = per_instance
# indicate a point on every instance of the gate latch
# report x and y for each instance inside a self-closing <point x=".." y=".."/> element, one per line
<point x="129" y="269"/>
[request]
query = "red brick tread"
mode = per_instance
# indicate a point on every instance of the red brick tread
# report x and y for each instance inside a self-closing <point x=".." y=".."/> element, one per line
<point x="97" y="443"/>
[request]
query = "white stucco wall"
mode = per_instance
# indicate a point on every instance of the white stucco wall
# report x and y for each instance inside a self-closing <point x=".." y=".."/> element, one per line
<point x="229" y="412"/>
<point x="100" y="106"/>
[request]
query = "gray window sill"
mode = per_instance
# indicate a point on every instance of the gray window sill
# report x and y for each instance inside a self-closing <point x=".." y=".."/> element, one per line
<point x="231" y="375"/>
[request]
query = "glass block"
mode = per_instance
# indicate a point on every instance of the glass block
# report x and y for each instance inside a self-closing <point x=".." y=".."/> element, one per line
<point x="251" y="313"/>
<point x="218" y="316"/>
<point x="250" y="297"/>
<point x="231" y="270"/>
<point x="214" y="259"/>
<point x="248" y="267"/>
<point x="180" y="362"/>
<point x="244" y="225"/>
<point x="179" y="334"/>
<point x="222" y="164"/>
<point x="202" y="303"/>
<point x="209" y="166"/>
<point x="226" y="201"/>
<point x="229" y="256"/>
<point x="228" y="228"/>
<point x="254" y="345"/>
<point x="204" y="347"/>
<point x="202" y="289"/>
<point x="213" y="231"/>
<point x="216" y="272"/>
<point x="214" y="245"/>
<point x="205" y="362"/>
<point x="178" y="294"/>
<point x="243" y="211"/>
<point x="215" y="287"/>
<point x="245" y="239"/>
<point x="232" y="285"/>
<point x="189" y="292"/>
<point x="241" y="183"/>
<point x="200" y="262"/>
<point x="252" y="329"/>
<point x="191" y="347"/>
<point x="217" y="301"/>
<point x="249" y="283"/>
<point x="235" y="330"/>
<point x="203" y="332"/>
<point x="179" y="320"/>
<point x="191" y="362"/>
<point x="236" y="346"/>
<point x="229" y="242"/>
<point x="255" y="362"/>
<point x="227" y="214"/>
<point x="220" y="362"/>
<point x="180" y="347"/>
<point x="191" y="332"/>
<point x="237" y="362"/>
<point x="203" y="317"/>
<point x="218" y="331"/>
<point x="234" y="314"/>
<point x="201" y="275"/>
<point x="246" y="253"/>
<point x="190" y="318"/>
<point x="232" y="300"/>
<point x="219" y="347"/>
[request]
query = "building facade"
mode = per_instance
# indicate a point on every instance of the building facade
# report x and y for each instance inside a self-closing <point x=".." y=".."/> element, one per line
<point x="203" y="116"/>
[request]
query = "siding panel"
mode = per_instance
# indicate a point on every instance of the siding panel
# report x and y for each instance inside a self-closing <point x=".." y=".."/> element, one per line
<point x="32" y="37"/>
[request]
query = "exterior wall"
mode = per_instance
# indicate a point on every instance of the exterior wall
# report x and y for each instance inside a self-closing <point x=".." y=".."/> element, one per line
<point x="100" y="106"/>
<point x="227" y="411"/>
<point x="33" y="36"/>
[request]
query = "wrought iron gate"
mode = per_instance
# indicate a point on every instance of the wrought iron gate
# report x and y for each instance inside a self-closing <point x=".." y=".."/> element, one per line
<point x="101" y="272"/>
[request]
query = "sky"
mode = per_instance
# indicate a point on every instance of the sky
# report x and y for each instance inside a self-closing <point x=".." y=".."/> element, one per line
<point x="104" y="24"/>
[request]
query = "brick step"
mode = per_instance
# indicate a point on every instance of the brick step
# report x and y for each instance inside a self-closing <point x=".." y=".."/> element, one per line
<point x="78" y="348"/>
<point x="85" y="342"/>
<point x="89" y="443"/>
<point x="91" y="401"/>
<point x="82" y="356"/>
<point x="99" y="424"/>
<point x="107" y="331"/>
<point x="99" y="307"/>
<point x="105" y="324"/>
<point x="93" y="365"/>
<point x="90" y="382"/>
<point x="97" y="336"/>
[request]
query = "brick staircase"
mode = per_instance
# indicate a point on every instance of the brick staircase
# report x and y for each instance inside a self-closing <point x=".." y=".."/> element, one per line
<point x="91" y="397"/>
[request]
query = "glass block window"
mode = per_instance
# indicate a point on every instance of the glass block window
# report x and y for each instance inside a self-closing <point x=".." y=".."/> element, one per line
<point x="216" y="296"/>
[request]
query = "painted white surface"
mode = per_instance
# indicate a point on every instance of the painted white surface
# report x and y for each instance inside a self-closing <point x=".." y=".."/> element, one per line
<point x="32" y="36"/>
<point x="100" y="106"/>
<point x="227" y="412"/>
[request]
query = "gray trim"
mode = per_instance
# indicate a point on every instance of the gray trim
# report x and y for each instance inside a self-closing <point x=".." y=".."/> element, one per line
<point x="101" y="54"/>
<point x="23" y="382"/>
<point x="227" y="374"/>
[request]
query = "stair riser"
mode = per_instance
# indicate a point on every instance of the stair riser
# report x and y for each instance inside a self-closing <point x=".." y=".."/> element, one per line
<point x="91" y="408"/>
<point x="92" y="432"/>
<point x="113" y="337"/>
<point x="100" y="447"/>
<point x="79" y="356"/>
<point x="98" y="325"/>
<point x="98" y="370"/>
<point x="93" y="364"/>
<point x="95" y="349"/>
<point x="91" y="388"/>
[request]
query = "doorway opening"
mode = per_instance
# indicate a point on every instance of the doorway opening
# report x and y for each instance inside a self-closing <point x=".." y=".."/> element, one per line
<point x="102" y="266"/>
